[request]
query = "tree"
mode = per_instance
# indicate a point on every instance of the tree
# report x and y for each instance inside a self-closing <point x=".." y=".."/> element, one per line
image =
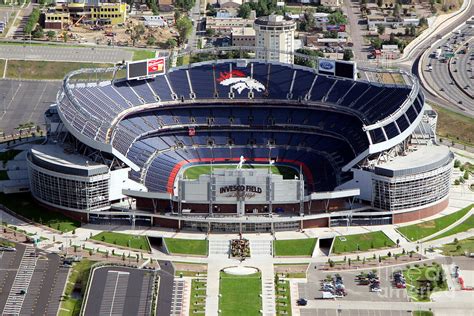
<point x="457" y="163"/>
<point x="337" y="18"/>
<point x="150" y="41"/>
<point x="376" y="43"/>
<point x="184" y="28"/>
<point x="244" y="11"/>
<point x="136" y="33"/>
<point x="51" y="35"/>
<point x="396" y="10"/>
<point x="348" y="54"/>
<point x="466" y="175"/>
<point x="186" y="5"/>
<point x="423" y="22"/>
<point x="171" y="43"/>
<point x="381" y="29"/>
<point x="380" y="3"/>
<point x="311" y="60"/>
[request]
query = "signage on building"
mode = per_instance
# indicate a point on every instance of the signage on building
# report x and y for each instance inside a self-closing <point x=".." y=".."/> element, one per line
<point x="144" y="69"/>
<point x="247" y="191"/>
<point x="327" y="66"/>
<point x="336" y="27"/>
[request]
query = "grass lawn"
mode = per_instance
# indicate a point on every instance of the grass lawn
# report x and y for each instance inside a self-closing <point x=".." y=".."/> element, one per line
<point x="195" y="171"/>
<point x="4" y="175"/>
<point x="464" y="226"/>
<point x="459" y="248"/>
<point x="455" y="126"/>
<point x="77" y="281"/>
<point x="294" y="247"/>
<point x="422" y="313"/>
<point x="6" y="243"/>
<point x="187" y="246"/>
<point x="143" y="54"/>
<point x="361" y="242"/>
<point x="422" y="230"/>
<point x="51" y="70"/>
<point x="240" y="295"/>
<point x="23" y="204"/>
<point x="283" y="298"/>
<point x="420" y="277"/>
<point x="198" y="298"/>
<point x="2" y="66"/>
<point x="124" y="240"/>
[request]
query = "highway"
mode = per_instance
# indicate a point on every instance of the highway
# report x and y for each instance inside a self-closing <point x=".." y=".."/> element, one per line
<point x="449" y="76"/>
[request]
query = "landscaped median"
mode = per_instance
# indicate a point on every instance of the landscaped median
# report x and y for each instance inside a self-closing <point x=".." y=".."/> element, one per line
<point x="240" y="295"/>
<point x="421" y="230"/>
<point x="423" y="280"/>
<point x="123" y="240"/>
<point x="361" y="242"/>
<point x="195" y="247"/>
<point x="294" y="247"/>
<point x="77" y="280"/>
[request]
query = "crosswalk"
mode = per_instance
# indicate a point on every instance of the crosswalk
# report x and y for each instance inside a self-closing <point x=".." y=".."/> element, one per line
<point x="21" y="283"/>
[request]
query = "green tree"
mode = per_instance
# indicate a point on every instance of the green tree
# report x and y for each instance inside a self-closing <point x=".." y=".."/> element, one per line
<point x="311" y="60"/>
<point x="348" y="54"/>
<point x="184" y="28"/>
<point x="51" y="35"/>
<point x="186" y="5"/>
<point x="136" y="33"/>
<point x="38" y="32"/>
<point x="244" y="11"/>
<point x="396" y="10"/>
<point x="466" y="175"/>
<point x="381" y="29"/>
<point x="337" y="18"/>
<point x="171" y="43"/>
<point x="380" y="3"/>
<point x="151" y="40"/>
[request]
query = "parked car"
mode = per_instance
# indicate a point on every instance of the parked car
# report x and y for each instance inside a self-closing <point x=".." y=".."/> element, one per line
<point x="302" y="302"/>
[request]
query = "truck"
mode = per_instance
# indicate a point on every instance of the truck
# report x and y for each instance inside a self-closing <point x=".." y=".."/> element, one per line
<point x="437" y="53"/>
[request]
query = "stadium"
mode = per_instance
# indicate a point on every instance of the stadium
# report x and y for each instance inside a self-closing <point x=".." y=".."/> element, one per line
<point x="240" y="145"/>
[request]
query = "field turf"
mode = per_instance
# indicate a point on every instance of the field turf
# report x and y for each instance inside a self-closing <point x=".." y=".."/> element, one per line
<point x="187" y="246"/>
<point x="425" y="229"/>
<point x="240" y="295"/>
<point x="294" y="247"/>
<point x="194" y="172"/>
<point x="124" y="240"/>
<point x="361" y="242"/>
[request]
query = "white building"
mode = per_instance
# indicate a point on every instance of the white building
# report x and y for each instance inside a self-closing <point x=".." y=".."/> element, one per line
<point x="275" y="38"/>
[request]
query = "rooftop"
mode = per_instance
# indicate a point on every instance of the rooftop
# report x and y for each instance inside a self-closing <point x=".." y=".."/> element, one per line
<point x="55" y="157"/>
<point x="424" y="158"/>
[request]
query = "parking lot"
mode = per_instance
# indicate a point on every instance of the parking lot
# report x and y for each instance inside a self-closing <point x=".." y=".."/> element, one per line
<point x="355" y="292"/>
<point x="25" y="101"/>
<point x="119" y="291"/>
<point x="31" y="282"/>
<point x="9" y="263"/>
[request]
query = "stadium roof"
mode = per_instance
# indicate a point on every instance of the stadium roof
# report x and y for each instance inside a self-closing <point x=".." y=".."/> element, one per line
<point x="424" y="158"/>
<point x="55" y="158"/>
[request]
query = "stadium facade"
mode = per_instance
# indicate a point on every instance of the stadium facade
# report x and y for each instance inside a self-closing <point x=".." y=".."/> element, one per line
<point x="285" y="147"/>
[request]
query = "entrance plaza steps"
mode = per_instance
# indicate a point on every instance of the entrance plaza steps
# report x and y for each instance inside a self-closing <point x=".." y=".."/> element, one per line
<point x="268" y="291"/>
<point x="261" y="248"/>
<point x="219" y="247"/>
<point x="21" y="283"/>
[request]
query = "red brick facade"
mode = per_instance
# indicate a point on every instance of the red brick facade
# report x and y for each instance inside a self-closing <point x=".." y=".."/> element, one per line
<point x="419" y="214"/>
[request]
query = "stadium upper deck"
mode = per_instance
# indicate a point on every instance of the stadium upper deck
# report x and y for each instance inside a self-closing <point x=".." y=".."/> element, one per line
<point x="234" y="108"/>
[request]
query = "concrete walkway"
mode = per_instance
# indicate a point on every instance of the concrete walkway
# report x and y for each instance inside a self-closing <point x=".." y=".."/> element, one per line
<point x="395" y="235"/>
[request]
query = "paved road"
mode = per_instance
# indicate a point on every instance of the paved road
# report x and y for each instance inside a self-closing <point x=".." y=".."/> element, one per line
<point x="25" y="101"/>
<point x="439" y="78"/>
<point x="355" y="20"/>
<point x="165" y="294"/>
<point x="61" y="53"/>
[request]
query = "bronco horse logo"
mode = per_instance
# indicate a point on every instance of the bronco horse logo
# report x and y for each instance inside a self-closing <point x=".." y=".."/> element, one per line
<point x="237" y="80"/>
